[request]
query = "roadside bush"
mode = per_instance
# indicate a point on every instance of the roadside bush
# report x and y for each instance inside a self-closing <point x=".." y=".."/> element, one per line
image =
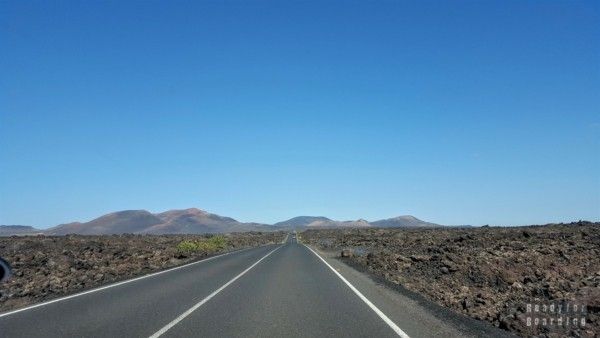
<point x="187" y="246"/>
<point x="208" y="245"/>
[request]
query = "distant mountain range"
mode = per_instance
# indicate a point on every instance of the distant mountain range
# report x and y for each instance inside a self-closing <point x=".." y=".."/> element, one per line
<point x="320" y="222"/>
<point x="324" y="222"/>
<point x="196" y="221"/>
<point x="406" y="221"/>
<point x="9" y="230"/>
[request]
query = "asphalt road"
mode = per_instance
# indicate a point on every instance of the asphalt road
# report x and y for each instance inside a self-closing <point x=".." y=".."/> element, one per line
<point x="283" y="290"/>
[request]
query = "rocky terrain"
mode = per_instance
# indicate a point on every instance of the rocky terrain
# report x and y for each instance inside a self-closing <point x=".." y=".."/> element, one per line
<point x="46" y="267"/>
<point x="488" y="273"/>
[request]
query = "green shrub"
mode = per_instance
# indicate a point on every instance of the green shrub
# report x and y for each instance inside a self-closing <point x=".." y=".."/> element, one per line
<point x="209" y="245"/>
<point x="187" y="246"/>
<point x="219" y="241"/>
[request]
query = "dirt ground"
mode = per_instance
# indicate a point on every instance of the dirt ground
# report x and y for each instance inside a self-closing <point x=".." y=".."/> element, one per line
<point x="48" y="267"/>
<point x="489" y="273"/>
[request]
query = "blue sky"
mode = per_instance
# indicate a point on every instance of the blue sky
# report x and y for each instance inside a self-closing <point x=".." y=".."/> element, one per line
<point x="463" y="112"/>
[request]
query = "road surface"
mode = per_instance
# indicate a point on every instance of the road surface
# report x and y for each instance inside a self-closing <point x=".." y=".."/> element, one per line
<point x="285" y="290"/>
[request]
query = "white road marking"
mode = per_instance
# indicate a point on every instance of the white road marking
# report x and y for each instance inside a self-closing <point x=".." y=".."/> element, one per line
<point x="118" y="283"/>
<point x="199" y="304"/>
<point x="382" y="315"/>
<point x="285" y="239"/>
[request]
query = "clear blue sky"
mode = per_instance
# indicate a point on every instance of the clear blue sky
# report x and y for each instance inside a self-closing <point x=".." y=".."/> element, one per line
<point x="456" y="112"/>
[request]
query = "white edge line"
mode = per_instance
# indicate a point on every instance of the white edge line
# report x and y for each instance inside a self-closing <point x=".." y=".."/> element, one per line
<point x="214" y="293"/>
<point x="123" y="282"/>
<point x="382" y="315"/>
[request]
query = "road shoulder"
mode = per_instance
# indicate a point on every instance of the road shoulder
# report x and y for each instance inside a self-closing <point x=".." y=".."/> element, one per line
<point x="409" y="310"/>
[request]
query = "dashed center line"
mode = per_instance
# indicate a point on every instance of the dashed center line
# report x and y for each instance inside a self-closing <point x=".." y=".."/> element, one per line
<point x="200" y="303"/>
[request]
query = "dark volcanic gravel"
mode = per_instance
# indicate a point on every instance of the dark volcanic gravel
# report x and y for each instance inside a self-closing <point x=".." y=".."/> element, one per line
<point x="48" y="267"/>
<point x="488" y="273"/>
